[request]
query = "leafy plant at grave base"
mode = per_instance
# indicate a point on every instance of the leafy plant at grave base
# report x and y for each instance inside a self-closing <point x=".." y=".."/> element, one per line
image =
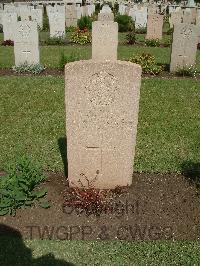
<point x="141" y="30"/>
<point x="64" y="59"/>
<point x="81" y="37"/>
<point x="70" y="29"/>
<point x="167" y="42"/>
<point x="152" y="42"/>
<point x="131" y="37"/>
<point x="198" y="46"/>
<point x="18" y="189"/>
<point x="27" y="68"/>
<point x="89" y="199"/>
<point x="84" y="22"/>
<point x="170" y="31"/>
<point x="55" y="41"/>
<point x="148" y="63"/>
<point x="187" y="71"/>
<point x="124" y="23"/>
<point x="7" y="43"/>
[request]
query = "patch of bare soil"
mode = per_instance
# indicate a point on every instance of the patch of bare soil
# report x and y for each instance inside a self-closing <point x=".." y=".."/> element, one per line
<point x="57" y="72"/>
<point x="155" y="207"/>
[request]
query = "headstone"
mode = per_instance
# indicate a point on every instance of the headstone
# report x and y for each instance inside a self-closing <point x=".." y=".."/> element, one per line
<point x="71" y="16"/>
<point x="1" y="17"/>
<point x="141" y="18"/>
<point x="79" y="11"/>
<point x="176" y="18"/>
<point x="132" y="13"/>
<point x="105" y="16"/>
<point x="198" y="20"/>
<point x="57" y="21"/>
<point x="104" y="40"/>
<point x="9" y="20"/>
<point x="106" y="9"/>
<point x="152" y="10"/>
<point x="122" y="9"/>
<point x="191" y="3"/>
<point x="37" y="16"/>
<point x="84" y="11"/>
<point x="102" y="115"/>
<point x="184" y="46"/>
<point x="91" y="9"/>
<point x="26" y="43"/>
<point x="154" y="27"/>
<point x="188" y="17"/>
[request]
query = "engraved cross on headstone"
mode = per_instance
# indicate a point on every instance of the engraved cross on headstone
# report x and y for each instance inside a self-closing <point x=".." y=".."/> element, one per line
<point x="98" y="147"/>
<point x="26" y="52"/>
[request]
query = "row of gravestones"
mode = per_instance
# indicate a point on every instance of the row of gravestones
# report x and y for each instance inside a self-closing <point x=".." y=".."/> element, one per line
<point x="190" y="16"/>
<point x="59" y="17"/>
<point x="105" y="41"/>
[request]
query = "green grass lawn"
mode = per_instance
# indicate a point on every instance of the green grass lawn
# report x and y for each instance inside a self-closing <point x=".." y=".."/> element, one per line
<point x="16" y="253"/>
<point x="50" y="55"/>
<point x="33" y="120"/>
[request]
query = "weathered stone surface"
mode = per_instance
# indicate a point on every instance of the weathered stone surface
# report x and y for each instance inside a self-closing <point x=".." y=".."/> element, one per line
<point x="102" y="103"/>
<point x="84" y="11"/>
<point x="57" y="21"/>
<point x="26" y="43"/>
<point x="9" y="20"/>
<point x="176" y="17"/>
<point x="154" y="26"/>
<point x="71" y="16"/>
<point x="188" y="17"/>
<point x="184" y="46"/>
<point x="104" y="40"/>
<point x="105" y="16"/>
<point x="106" y="9"/>
<point x="141" y="18"/>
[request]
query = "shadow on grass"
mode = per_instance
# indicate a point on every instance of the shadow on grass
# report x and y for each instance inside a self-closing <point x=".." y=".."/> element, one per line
<point x="62" y="143"/>
<point x="191" y="171"/>
<point x="14" y="252"/>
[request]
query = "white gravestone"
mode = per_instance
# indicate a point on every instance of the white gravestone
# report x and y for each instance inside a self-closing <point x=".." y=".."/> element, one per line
<point x="57" y="21"/>
<point x="9" y="20"/>
<point x="184" y="46"/>
<point x="26" y="43"/>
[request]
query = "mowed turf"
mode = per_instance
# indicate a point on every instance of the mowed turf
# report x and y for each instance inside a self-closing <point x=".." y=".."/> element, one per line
<point x="50" y="55"/>
<point x="33" y="122"/>
<point x="15" y="252"/>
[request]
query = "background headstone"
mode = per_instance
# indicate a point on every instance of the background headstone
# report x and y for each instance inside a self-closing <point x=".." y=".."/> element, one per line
<point x="71" y="16"/>
<point x="104" y="40"/>
<point x="57" y="21"/>
<point x="26" y="48"/>
<point x="154" y="26"/>
<point x="184" y="46"/>
<point x="9" y="20"/>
